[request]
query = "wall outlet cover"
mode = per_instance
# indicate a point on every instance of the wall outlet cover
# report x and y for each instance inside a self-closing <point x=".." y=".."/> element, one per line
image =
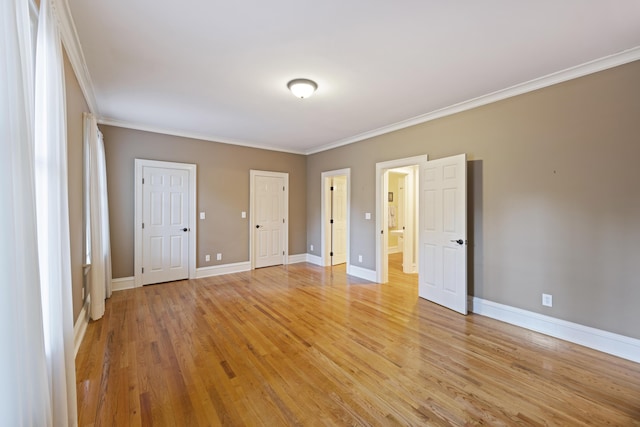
<point x="207" y="258"/>
<point x="219" y="257"/>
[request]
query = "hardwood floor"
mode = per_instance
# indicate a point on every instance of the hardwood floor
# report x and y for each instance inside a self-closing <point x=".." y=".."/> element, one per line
<point x="298" y="345"/>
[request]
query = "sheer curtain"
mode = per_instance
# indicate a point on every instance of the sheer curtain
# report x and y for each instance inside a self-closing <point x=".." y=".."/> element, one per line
<point x="24" y="394"/>
<point x="100" y="287"/>
<point x="52" y="212"/>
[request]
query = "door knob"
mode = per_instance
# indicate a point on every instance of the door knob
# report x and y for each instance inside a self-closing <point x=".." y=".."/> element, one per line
<point x="257" y="226"/>
<point x="459" y="241"/>
<point x="185" y="229"/>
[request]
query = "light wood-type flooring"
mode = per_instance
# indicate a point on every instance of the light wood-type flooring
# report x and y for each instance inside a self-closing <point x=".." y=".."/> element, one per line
<point x="297" y="345"/>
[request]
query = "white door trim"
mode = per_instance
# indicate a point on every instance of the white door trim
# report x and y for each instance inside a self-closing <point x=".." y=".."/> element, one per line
<point x="191" y="168"/>
<point x="285" y="245"/>
<point x="326" y="260"/>
<point x="382" y="275"/>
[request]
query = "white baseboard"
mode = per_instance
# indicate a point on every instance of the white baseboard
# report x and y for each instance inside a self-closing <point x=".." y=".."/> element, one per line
<point x="314" y="259"/>
<point x="217" y="270"/>
<point x="294" y="259"/>
<point x="80" y="328"/>
<point x="122" y="283"/>
<point x="362" y="273"/>
<point x="607" y="342"/>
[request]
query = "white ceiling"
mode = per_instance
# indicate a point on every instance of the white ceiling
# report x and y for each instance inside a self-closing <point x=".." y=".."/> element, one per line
<point x="218" y="69"/>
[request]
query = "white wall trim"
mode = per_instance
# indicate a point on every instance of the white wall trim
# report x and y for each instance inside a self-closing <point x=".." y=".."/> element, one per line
<point x="315" y="259"/>
<point x="295" y="259"/>
<point x="587" y="68"/>
<point x="218" y="270"/>
<point x="123" y="283"/>
<point x="71" y="41"/>
<point x="80" y="328"/>
<point x="607" y="342"/>
<point x="192" y="135"/>
<point x="362" y="273"/>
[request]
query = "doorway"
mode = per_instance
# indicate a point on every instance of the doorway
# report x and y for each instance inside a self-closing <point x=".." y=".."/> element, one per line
<point x="164" y="241"/>
<point x="269" y="223"/>
<point x="391" y="205"/>
<point x="335" y="218"/>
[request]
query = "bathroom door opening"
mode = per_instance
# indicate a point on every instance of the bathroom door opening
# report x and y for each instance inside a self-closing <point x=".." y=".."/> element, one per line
<point x="397" y="213"/>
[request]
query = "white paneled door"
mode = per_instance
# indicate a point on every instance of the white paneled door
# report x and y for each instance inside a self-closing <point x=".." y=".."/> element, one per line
<point x="339" y="217"/>
<point x="269" y="219"/>
<point x="443" y="232"/>
<point x="165" y="228"/>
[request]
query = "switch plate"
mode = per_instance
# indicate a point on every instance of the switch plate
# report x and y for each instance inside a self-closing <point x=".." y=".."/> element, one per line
<point x="547" y="300"/>
<point x="367" y="215"/>
<point x="311" y="247"/>
<point x="207" y="258"/>
<point x="359" y="258"/>
<point x="219" y="257"/>
<point x="243" y="214"/>
<point x="202" y="215"/>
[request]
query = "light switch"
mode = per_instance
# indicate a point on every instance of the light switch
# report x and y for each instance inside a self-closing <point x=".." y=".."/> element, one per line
<point x="202" y="215"/>
<point x="367" y="215"/>
<point x="243" y="214"/>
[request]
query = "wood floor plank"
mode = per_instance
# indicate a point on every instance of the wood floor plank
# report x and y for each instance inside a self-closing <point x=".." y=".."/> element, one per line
<point x="304" y="345"/>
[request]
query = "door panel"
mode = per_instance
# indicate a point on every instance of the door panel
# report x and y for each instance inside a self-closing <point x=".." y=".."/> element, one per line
<point x="443" y="270"/>
<point x="339" y="220"/>
<point x="269" y="220"/>
<point x="165" y="244"/>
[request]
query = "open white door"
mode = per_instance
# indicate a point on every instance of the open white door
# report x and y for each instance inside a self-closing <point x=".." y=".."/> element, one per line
<point x="443" y="232"/>
<point x="339" y="217"/>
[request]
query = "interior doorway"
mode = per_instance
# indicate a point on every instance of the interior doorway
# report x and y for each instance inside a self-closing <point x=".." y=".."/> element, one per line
<point x="335" y="218"/>
<point x="397" y="213"/>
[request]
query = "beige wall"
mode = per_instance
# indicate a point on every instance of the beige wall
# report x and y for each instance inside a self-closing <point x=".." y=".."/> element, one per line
<point x="554" y="196"/>
<point x="76" y="105"/>
<point x="223" y="192"/>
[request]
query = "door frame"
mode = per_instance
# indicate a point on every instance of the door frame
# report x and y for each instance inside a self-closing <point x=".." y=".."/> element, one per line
<point x="382" y="253"/>
<point x="137" y="258"/>
<point x="324" y="246"/>
<point x="285" y="244"/>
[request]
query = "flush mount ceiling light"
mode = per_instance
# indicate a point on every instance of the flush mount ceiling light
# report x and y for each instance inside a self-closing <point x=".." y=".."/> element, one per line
<point x="302" y="88"/>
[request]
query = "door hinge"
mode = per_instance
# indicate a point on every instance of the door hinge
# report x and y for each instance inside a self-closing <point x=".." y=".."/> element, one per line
<point x="142" y="270"/>
<point x="331" y="221"/>
<point x="143" y="225"/>
<point x="330" y="253"/>
<point x="332" y="188"/>
<point x="283" y="188"/>
<point x="142" y="180"/>
<point x="282" y="252"/>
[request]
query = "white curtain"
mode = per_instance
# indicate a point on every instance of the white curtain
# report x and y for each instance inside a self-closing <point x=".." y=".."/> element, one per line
<point x="24" y="394"/>
<point x="52" y="208"/>
<point x="100" y="284"/>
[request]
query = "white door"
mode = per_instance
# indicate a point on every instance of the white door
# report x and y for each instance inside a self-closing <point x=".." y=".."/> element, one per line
<point x="269" y="220"/>
<point x="443" y="232"/>
<point x="165" y="224"/>
<point x="339" y="216"/>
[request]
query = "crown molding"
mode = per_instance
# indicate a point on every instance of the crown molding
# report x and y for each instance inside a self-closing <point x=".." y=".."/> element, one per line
<point x="73" y="47"/>
<point x="587" y="68"/>
<point x="146" y="128"/>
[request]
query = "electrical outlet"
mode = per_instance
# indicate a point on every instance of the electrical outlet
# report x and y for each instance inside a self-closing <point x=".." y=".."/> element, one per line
<point x="219" y="257"/>
<point x="311" y="247"/>
<point x="547" y="300"/>
<point x="359" y="258"/>
<point x="207" y="258"/>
